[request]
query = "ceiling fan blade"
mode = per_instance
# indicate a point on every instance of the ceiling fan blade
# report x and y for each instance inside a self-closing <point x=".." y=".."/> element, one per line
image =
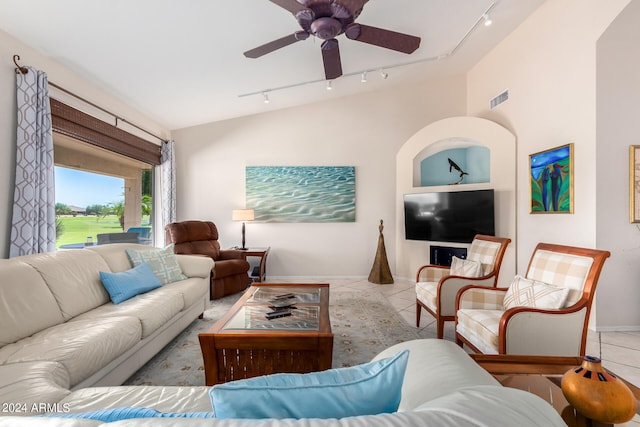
<point x="276" y="44"/>
<point x="384" y="38"/>
<point x="291" y="5"/>
<point x="331" y="59"/>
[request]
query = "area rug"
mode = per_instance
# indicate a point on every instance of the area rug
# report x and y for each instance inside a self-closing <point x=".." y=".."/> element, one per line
<point x="363" y="324"/>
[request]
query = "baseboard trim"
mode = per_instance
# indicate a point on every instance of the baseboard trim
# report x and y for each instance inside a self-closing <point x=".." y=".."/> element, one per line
<point x="314" y="278"/>
<point x="635" y="328"/>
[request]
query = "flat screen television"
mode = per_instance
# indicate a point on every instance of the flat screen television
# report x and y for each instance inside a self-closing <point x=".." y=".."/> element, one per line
<point x="451" y="216"/>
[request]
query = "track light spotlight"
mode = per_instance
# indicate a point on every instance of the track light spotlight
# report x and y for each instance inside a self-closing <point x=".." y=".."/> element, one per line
<point x="329" y="87"/>
<point x="384" y="75"/>
<point x="266" y="97"/>
<point x="364" y="77"/>
<point x="487" y="20"/>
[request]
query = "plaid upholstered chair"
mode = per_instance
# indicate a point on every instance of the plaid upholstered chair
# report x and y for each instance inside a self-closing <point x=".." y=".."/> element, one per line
<point x="545" y="313"/>
<point x="437" y="286"/>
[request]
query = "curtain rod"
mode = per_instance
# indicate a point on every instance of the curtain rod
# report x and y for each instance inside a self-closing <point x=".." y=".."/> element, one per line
<point x="24" y="70"/>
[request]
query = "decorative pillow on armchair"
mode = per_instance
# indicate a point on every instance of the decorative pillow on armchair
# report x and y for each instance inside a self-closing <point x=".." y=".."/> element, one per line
<point x="367" y="389"/>
<point x="465" y="267"/>
<point x="530" y="293"/>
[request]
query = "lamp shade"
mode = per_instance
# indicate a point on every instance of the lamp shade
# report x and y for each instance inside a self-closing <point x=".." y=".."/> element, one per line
<point x="242" y="215"/>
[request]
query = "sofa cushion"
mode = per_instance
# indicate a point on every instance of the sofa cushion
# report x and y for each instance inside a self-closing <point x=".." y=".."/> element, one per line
<point x="29" y="388"/>
<point x="74" y="279"/>
<point x="127" y="284"/>
<point x="152" y="310"/>
<point x="115" y="256"/>
<point x="486" y="405"/>
<point x="192" y="290"/>
<point x="465" y="267"/>
<point x="161" y="398"/>
<point x="81" y="346"/>
<point x="47" y="422"/>
<point x="367" y="389"/>
<point x="163" y="263"/>
<point x="117" y="414"/>
<point x="532" y="293"/>
<point x="435" y="368"/>
<point x="26" y="303"/>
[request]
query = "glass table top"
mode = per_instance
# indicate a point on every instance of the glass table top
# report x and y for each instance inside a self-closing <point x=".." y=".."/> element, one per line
<point x="253" y="317"/>
<point x="303" y="302"/>
<point x="268" y="294"/>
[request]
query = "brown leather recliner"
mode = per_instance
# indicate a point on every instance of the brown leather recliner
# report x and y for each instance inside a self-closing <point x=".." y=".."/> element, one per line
<point x="229" y="274"/>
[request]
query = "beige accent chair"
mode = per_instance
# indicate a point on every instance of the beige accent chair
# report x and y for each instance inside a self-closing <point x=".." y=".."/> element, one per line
<point x="436" y="287"/>
<point x="545" y="313"/>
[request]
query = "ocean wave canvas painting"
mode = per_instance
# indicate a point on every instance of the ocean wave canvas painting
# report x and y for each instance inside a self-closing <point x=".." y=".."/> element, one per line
<point x="301" y="193"/>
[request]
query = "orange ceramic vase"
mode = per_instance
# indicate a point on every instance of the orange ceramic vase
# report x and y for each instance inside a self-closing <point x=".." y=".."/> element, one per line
<point x="597" y="394"/>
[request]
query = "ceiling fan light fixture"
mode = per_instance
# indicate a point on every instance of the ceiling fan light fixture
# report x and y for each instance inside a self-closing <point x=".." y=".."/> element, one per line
<point x="487" y="20"/>
<point x="363" y="79"/>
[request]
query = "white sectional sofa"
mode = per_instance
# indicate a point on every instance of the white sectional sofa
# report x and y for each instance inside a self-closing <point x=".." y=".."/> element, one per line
<point x="59" y="330"/>
<point x="442" y="387"/>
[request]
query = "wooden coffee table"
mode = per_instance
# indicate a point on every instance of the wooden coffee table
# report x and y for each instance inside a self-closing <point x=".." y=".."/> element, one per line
<point x="541" y="375"/>
<point x="245" y="344"/>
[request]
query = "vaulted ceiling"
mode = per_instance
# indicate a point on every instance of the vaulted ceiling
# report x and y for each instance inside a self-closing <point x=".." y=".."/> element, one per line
<point x="182" y="62"/>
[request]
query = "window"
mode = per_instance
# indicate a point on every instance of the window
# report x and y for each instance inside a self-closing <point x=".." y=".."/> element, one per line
<point x="119" y="168"/>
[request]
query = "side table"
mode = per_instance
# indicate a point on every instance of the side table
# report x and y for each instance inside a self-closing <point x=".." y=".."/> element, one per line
<point x="541" y="375"/>
<point x="262" y="268"/>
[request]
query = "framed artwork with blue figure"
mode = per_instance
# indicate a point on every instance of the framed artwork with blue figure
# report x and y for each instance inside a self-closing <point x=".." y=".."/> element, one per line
<point x="551" y="177"/>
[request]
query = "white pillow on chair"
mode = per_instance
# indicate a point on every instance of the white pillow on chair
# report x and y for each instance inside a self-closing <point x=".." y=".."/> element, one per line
<point x="465" y="267"/>
<point x="530" y="293"/>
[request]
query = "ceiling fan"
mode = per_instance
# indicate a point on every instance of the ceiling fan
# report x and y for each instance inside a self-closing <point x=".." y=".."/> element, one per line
<point x="326" y="19"/>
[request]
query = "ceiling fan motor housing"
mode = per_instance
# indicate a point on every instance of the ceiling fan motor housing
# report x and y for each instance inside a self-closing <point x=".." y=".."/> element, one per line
<point x="326" y="28"/>
<point x="324" y="19"/>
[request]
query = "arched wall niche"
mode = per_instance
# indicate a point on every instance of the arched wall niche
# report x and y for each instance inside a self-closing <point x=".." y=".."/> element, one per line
<point x="456" y="132"/>
<point x="431" y="167"/>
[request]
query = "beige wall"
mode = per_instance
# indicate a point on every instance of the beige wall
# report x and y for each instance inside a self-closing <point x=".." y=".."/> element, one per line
<point x="549" y="65"/>
<point x="364" y="131"/>
<point x="62" y="76"/>
<point x="618" y="127"/>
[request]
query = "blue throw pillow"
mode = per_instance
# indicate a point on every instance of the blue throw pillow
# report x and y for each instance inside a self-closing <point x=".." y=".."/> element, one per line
<point x="117" y="414"/>
<point x="368" y="389"/>
<point x="128" y="284"/>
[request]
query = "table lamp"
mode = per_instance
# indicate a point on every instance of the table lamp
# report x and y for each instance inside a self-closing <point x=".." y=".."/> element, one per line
<point x="242" y="215"/>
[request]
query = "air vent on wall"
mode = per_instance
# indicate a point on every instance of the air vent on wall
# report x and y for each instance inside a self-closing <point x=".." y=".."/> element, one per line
<point x="499" y="99"/>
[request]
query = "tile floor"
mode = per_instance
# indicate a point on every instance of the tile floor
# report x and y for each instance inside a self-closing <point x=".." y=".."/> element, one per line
<point x="619" y="351"/>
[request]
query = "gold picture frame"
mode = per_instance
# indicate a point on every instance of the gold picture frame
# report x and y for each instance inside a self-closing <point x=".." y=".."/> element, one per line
<point x="551" y="180"/>
<point x="634" y="183"/>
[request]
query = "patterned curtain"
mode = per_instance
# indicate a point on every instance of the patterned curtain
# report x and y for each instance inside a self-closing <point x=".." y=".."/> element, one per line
<point x="168" y="184"/>
<point x="33" y="226"/>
